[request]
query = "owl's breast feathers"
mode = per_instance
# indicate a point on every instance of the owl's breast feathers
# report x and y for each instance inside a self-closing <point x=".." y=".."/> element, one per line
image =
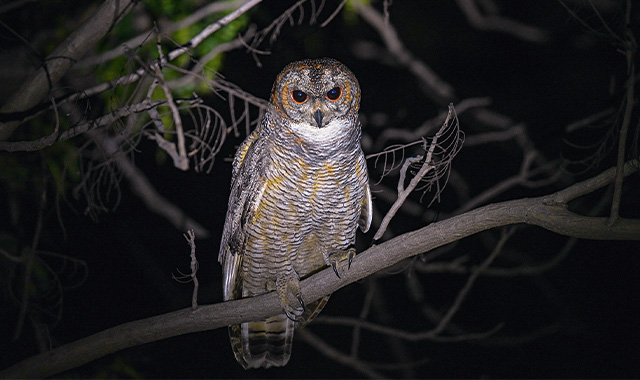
<point x="296" y="195"/>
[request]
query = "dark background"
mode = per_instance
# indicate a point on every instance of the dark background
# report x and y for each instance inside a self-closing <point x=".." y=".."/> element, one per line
<point x="579" y="319"/>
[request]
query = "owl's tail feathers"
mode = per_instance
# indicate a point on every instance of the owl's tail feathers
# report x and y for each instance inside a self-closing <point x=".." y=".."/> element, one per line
<point x="268" y="343"/>
<point x="264" y="343"/>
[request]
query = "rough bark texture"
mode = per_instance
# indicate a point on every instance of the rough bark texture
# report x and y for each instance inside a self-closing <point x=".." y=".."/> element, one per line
<point x="35" y="88"/>
<point x="548" y="211"/>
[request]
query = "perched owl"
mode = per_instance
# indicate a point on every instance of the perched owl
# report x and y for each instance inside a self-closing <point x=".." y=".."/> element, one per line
<point x="299" y="191"/>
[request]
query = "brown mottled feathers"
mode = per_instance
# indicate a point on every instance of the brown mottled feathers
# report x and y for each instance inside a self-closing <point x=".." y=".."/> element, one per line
<point x="299" y="192"/>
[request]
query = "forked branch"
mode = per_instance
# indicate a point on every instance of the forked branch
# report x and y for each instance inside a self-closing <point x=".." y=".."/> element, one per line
<point x="548" y="211"/>
<point x="442" y="148"/>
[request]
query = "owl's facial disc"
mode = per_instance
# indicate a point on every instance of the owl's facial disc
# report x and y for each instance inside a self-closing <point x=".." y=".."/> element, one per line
<point x="314" y="107"/>
<point x="316" y="93"/>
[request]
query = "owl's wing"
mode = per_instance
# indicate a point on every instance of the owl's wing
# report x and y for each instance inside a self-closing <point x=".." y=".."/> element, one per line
<point x="245" y="190"/>
<point x="366" y="210"/>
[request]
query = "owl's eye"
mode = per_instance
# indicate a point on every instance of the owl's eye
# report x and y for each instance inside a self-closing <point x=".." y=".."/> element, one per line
<point x="334" y="94"/>
<point x="299" y="96"/>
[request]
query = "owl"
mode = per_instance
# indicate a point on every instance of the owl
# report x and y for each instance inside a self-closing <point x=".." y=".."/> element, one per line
<point x="299" y="192"/>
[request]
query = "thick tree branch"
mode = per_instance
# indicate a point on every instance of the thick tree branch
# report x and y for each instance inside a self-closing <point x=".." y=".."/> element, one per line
<point x="80" y="128"/>
<point x="62" y="58"/>
<point x="548" y="211"/>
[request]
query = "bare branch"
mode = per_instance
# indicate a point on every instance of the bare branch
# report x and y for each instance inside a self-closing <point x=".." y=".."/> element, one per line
<point x="34" y="145"/>
<point x="471" y="280"/>
<point x="589" y="120"/>
<point x="273" y="30"/>
<point x="522" y="179"/>
<point x="141" y="186"/>
<point x="495" y="22"/>
<point x="411" y="336"/>
<point x="182" y="162"/>
<point x="140" y="39"/>
<point x="334" y="14"/>
<point x="450" y="130"/>
<point x="191" y="240"/>
<point x="13" y="5"/>
<point x="195" y="41"/>
<point x="29" y="255"/>
<point x="547" y="211"/>
<point x="630" y="53"/>
<point x="434" y="87"/>
<point x="62" y="58"/>
<point x="332" y="353"/>
<point x="429" y="126"/>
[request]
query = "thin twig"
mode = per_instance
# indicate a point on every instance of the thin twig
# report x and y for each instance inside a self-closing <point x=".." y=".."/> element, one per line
<point x="410" y="336"/>
<point x="334" y="14"/>
<point x="56" y="65"/>
<point x="135" y="76"/>
<point x="434" y="87"/>
<point x="190" y="236"/>
<point x="366" y="307"/>
<point x="183" y="163"/>
<point x="498" y="23"/>
<point x="142" y="187"/>
<point x="506" y="234"/>
<point x="30" y="254"/>
<point x="34" y="145"/>
<point x="428" y="165"/>
<point x="140" y="39"/>
<point x="332" y="353"/>
<point x="547" y="211"/>
<point x="622" y="141"/>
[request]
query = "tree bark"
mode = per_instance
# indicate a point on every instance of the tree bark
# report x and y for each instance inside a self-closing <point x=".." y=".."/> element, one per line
<point x="549" y="212"/>
<point x="74" y="47"/>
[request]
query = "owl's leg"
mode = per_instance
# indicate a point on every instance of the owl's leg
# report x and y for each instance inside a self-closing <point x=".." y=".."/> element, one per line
<point x="338" y="259"/>
<point x="288" y="288"/>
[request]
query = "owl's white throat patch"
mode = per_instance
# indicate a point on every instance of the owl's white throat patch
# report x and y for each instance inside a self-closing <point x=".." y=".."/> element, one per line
<point x="333" y="130"/>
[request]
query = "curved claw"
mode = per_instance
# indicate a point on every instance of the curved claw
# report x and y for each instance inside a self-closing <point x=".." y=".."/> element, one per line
<point x="333" y="265"/>
<point x="290" y="316"/>
<point x="299" y="297"/>
<point x="352" y="254"/>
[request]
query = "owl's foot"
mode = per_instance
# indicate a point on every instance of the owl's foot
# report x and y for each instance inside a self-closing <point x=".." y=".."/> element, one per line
<point x="338" y="259"/>
<point x="288" y="288"/>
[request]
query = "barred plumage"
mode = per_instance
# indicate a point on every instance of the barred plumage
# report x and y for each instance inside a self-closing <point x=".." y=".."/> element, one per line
<point x="299" y="191"/>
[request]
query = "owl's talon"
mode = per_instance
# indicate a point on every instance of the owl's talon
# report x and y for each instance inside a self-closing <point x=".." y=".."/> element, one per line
<point x="341" y="259"/>
<point x="290" y="316"/>
<point x="352" y="254"/>
<point x="288" y="288"/>
<point x="299" y="297"/>
<point x="335" y="269"/>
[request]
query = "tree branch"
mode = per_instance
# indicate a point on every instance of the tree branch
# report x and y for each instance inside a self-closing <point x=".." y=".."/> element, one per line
<point x="168" y="28"/>
<point x="434" y="87"/>
<point x="624" y="128"/>
<point x="34" y="145"/>
<point x="62" y="58"/>
<point x="548" y="211"/>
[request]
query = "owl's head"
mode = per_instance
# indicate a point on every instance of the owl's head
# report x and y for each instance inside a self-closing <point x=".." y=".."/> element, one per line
<point x="313" y="93"/>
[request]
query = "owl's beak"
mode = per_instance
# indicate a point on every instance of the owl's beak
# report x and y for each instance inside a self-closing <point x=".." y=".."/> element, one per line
<point x="318" y="118"/>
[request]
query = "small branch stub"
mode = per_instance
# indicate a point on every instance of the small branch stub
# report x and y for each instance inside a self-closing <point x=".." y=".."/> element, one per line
<point x="190" y="236"/>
